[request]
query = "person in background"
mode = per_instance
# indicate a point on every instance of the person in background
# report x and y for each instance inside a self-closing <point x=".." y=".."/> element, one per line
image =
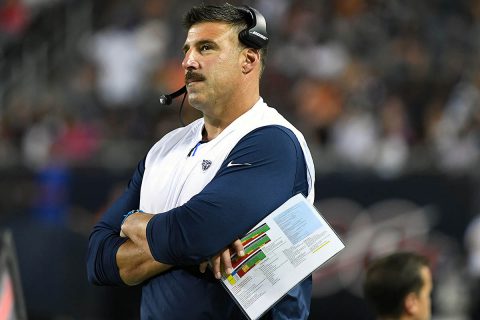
<point x="398" y="286"/>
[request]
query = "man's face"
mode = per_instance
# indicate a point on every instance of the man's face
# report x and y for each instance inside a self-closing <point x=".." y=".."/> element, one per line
<point x="212" y="64"/>
<point x="424" y="302"/>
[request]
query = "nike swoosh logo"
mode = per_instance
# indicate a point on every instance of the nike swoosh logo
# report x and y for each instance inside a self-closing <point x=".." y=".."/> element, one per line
<point x="232" y="164"/>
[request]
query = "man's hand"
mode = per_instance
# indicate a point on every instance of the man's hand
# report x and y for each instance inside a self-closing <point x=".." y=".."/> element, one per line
<point x="134" y="227"/>
<point x="223" y="260"/>
<point x="134" y="259"/>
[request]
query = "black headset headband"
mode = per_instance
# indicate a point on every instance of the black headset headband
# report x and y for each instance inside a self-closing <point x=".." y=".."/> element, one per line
<point x="255" y="35"/>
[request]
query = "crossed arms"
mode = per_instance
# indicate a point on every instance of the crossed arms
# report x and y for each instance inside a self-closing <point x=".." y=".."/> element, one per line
<point x="136" y="263"/>
<point x="204" y="227"/>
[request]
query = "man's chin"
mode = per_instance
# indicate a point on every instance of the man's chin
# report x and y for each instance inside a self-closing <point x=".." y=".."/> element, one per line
<point x="196" y="101"/>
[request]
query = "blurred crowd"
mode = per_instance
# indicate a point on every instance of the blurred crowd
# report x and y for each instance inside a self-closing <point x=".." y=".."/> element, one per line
<point x="385" y="86"/>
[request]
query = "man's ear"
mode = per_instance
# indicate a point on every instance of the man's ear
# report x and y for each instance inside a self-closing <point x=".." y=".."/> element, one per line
<point x="251" y="58"/>
<point x="410" y="303"/>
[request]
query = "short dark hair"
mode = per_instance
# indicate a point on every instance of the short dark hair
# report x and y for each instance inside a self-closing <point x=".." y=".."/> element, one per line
<point x="221" y="13"/>
<point x="390" y="279"/>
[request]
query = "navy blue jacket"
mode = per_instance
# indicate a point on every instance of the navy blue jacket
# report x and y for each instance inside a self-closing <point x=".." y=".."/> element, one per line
<point x="234" y="201"/>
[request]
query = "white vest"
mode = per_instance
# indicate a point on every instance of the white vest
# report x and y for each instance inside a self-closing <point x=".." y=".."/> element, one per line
<point x="171" y="177"/>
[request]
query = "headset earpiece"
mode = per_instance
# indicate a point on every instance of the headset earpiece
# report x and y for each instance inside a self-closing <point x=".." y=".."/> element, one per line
<point x="255" y="35"/>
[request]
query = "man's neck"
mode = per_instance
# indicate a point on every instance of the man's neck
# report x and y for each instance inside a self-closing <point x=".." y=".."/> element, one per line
<point x="215" y="124"/>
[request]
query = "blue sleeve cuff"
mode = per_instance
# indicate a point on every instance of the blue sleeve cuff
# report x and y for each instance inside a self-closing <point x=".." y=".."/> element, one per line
<point x="105" y="240"/>
<point x="155" y="233"/>
<point x="105" y="273"/>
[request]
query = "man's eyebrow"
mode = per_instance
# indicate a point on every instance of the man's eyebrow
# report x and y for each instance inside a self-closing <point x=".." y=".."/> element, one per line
<point x="198" y="43"/>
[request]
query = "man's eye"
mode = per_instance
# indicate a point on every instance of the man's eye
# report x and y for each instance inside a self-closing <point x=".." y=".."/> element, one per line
<point x="205" y="47"/>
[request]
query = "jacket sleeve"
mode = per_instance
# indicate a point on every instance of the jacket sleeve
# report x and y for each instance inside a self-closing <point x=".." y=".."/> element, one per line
<point x="269" y="168"/>
<point x="105" y="237"/>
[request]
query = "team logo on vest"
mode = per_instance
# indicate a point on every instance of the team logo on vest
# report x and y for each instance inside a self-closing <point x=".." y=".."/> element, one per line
<point x="206" y="164"/>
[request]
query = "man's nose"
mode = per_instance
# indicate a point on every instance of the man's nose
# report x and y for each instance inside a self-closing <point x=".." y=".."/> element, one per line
<point x="190" y="61"/>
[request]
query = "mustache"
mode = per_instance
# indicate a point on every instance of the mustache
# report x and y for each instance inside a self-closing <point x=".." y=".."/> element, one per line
<point x="193" y="76"/>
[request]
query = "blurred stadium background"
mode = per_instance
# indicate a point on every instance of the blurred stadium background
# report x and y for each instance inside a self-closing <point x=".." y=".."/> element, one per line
<point x="387" y="94"/>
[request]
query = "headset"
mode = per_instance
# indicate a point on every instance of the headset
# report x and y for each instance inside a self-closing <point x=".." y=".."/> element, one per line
<point x="254" y="36"/>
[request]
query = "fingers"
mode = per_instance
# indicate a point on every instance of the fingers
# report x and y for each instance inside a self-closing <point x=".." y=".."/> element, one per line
<point x="216" y="266"/>
<point x="203" y="266"/>
<point x="223" y="262"/>
<point x="226" y="261"/>
<point x="238" y="248"/>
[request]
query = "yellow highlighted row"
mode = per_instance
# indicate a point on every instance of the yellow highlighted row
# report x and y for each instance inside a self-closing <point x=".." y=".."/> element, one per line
<point x="323" y="245"/>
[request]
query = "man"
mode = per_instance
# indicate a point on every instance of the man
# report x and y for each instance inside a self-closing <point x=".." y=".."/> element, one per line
<point x="203" y="186"/>
<point x="398" y="286"/>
